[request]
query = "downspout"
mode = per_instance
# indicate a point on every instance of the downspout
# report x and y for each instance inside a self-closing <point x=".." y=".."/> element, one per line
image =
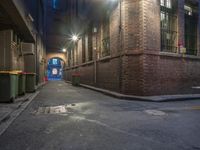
<point x="120" y="46"/>
<point x="95" y="60"/>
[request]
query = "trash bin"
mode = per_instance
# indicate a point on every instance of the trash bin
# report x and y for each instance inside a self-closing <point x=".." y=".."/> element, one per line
<point x="22" y="83"/>
<point x="8" y="86"/>
<point x="76" y="79"/>
<point x="30" y="82"/>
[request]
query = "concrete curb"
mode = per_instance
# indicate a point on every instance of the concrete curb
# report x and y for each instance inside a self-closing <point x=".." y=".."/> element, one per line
<point x="161" y="98"/>
<point x="41" y="85"/>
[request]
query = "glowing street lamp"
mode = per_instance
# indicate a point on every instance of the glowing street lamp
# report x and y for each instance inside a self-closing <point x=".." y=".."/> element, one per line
<point x="74" y="38"/>
<point x="64" y="50"/>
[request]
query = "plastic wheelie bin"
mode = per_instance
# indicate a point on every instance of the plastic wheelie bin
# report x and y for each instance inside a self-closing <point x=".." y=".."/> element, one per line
<point x="30" y="82"/>
<point x="76" y="79"/>
<point x="8" y="86"/>
<point x="22" y="83"/>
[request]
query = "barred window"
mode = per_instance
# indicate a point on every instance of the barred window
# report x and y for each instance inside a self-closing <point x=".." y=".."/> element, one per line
<point x="166" y="3"/>
<point x="191" y="23"/>
<point x="106" y="35"/>
<point x="168" y="26"/>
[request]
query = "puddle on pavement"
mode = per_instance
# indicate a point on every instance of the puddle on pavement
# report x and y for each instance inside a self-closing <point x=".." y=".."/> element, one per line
<point x="155" y="112"/>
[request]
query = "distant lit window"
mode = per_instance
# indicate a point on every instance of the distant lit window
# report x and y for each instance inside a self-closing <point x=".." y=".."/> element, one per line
<point x="55" y="61"/>
<point x="188" y="10"/>
<point x="191" y="28"/>
<point x="54" y="71"/>
<point x="166" y="3"/>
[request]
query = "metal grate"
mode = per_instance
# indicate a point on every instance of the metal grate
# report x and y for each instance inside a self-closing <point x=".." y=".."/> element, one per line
<point x="168" y="28"/>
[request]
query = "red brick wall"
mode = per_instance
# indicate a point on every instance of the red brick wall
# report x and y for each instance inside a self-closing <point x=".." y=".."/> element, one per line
<point x="108" y="74"/>
<point x="138" y="67"/>
<point x="166" y="74"/>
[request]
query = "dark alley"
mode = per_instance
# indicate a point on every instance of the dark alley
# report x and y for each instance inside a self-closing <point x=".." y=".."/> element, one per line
<point x="66" y="117"/>
<point x="99" y="74"/>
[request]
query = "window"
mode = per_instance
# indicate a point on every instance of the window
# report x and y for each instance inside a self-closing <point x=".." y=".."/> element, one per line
<point x="191" y="24"/>
<point x="168" y="20"/>
<point x="84" y="48"/>
<point x="188" y="10"/>
<point x="105" y="48"/>
<point x="55" y="61"/>
<point x="166" y="3"/>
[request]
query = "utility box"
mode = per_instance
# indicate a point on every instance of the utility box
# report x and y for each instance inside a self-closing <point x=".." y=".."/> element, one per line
<point x="29" y="63"/>
<point x="5" y="50"/>
<point x="28" y="48"/>
<point x="10" y="57"/>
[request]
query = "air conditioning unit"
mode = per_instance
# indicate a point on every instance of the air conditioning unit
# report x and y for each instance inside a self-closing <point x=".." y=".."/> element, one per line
<point x="28" y="48"/>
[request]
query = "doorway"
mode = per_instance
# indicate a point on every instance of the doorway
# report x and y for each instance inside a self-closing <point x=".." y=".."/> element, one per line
<point x="55" y="69"/>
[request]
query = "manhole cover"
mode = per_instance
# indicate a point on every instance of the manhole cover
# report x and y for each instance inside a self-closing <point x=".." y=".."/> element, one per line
<point x="155" y="112"/>
<point x="52" y="110"/>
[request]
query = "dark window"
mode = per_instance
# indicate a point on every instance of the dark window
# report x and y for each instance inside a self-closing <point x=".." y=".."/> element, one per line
<point x="168" y="26"/>
<point x="84" y="48"/>
<point x="191" y="23"/>
<point x="106" y="35"/>
<point x="89" y="46"/>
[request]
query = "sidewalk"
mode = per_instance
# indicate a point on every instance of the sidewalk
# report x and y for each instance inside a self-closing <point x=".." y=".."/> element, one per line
<point x="160" y="98"/>
<point x="10" y="111"/>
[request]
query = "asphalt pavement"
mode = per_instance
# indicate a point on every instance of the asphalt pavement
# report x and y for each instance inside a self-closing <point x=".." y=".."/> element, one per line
<point x="63" y="117"/>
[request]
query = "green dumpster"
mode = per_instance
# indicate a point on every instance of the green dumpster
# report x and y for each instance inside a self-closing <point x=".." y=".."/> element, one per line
<point x="76" y="79"/>
<point x="16" y="82"/>
<point x="8" y="86"/>
<point x="22" y="83"/>
<point x="30" y="82"/>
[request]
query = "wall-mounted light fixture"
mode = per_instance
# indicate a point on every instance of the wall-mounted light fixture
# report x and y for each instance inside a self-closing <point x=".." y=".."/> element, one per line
<point x="30" y="18"/>
<point x="64" y="50"/>
<point x="74" y="38"/>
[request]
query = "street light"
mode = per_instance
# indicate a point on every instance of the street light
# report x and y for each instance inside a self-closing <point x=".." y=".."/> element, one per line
<point x="64" y="50"/>
<point x="74" y="38"/>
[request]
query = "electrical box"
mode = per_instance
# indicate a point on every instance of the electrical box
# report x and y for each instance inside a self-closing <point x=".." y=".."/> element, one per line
<point x="28" y="48"/>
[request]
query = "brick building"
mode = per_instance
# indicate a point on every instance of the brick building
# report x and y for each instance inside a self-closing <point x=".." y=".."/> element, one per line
<point x="138" y="47"/>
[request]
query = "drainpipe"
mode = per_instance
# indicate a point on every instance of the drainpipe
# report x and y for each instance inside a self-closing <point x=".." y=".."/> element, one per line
<point x="95" y="56"/>
<point x="121" y="45"/>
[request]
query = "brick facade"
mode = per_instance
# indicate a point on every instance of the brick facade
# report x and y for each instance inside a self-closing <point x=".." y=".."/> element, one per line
<point x="136" y="65"/>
